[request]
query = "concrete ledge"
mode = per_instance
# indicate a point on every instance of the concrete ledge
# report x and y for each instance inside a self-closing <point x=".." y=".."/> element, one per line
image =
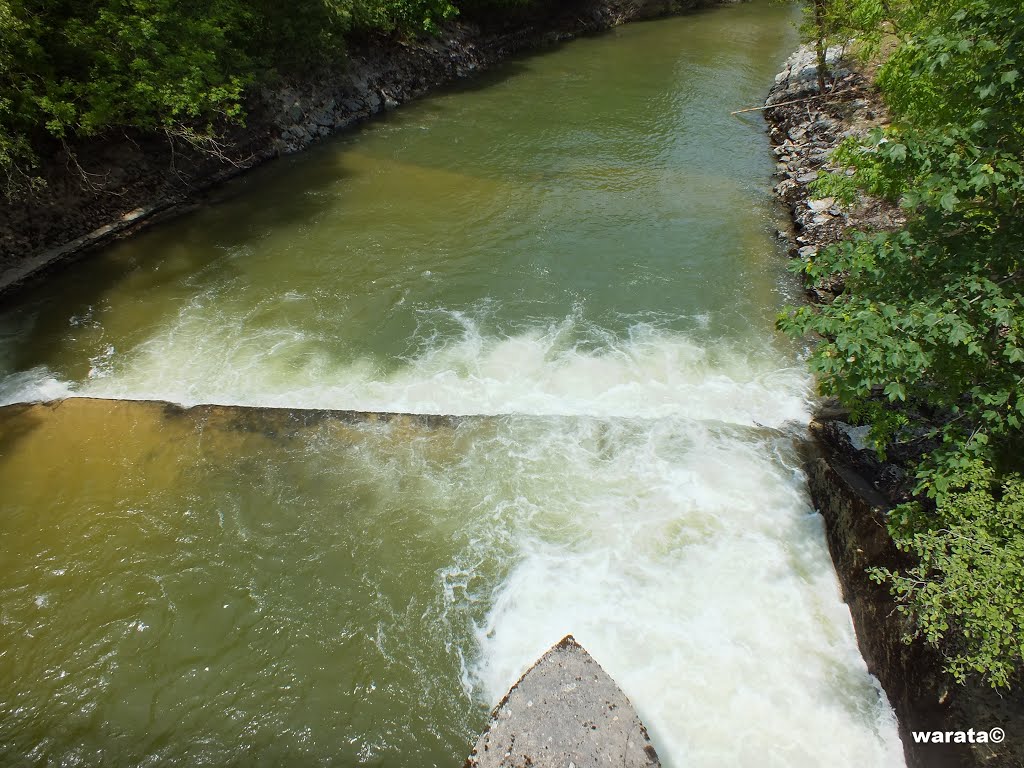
<point x="565" y="711"/>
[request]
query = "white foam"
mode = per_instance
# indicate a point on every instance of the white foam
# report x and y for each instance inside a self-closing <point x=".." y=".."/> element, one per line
<point x="36" y="385"/>
<point x="687" y="561"/>
<point x="679" y="550"/>
<point x="544" y="371"/>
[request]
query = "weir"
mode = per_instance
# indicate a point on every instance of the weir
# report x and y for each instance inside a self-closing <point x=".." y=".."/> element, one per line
<point x="401" y="541"/>
<point x="565" y="277"/>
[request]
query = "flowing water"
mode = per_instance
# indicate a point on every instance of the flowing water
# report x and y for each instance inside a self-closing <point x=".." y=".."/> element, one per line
<point x="573" y="258"/>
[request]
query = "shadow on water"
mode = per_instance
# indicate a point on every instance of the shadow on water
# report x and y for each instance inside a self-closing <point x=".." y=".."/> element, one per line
<point x="167" y="257"/>
<point x="18" y="422"/>
<point x="550" y="173"/>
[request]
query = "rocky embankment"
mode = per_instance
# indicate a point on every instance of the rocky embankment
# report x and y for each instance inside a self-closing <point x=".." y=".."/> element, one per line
<point x="805" y="129"/>
<point x="851" y="488"/>
<point x="110" y="186"/>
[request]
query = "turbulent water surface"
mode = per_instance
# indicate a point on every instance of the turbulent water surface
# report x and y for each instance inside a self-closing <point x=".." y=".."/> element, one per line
<point x="572" y="255"/>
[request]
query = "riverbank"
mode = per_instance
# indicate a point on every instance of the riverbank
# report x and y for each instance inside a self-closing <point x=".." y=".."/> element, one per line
<point x="113" y="185"/>
<point x="851" y="488"/>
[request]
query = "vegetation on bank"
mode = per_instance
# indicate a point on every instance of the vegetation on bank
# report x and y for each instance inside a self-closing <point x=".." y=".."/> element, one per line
<point x="926" y="343"/>
<point x="79" y="68"/>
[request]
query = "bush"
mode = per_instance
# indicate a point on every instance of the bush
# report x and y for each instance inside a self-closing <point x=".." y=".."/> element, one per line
<point x="933" y="316"/>
<point x="966" y="592"/>
<point x="73" y="68"/>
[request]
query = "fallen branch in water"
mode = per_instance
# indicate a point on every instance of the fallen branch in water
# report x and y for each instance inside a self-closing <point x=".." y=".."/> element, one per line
<point x="794" y="101"/>
<point x="780" y="104"/>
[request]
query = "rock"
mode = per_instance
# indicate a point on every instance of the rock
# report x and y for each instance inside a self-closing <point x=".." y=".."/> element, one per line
<point x="565" y="711"/>
<point x="822" y="204"/>
<point x="858" y="436"/>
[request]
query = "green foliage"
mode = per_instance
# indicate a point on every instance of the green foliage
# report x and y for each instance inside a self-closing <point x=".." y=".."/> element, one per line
<point x="966" y="591"/>
<point x="870" y="176"/>
<point x="73" y="68"/>
<point x="402" y="15"/>
<point x="18" y="48"/>
<point x="933" y="316"/>
<point x="839" y="21"/>
<point x="149" y="64"/>
<point x="963" y="65"/>
<point x="78" y="68"/>
<point x="865" y="23"/>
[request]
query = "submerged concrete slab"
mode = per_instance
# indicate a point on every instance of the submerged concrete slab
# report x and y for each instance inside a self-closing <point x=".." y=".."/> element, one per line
<point x="565" y="712"/>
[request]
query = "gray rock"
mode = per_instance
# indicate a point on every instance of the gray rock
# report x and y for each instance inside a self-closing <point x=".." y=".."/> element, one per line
<point x="565" y="711"/>
<point x="784" y="187"/>
<point x="858" y="436"/>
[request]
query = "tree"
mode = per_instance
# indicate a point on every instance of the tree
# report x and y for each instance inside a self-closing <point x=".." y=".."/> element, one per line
<point x="843" y="22"/>
<point x="78" y="68"/>
<point x="933" y="316"/>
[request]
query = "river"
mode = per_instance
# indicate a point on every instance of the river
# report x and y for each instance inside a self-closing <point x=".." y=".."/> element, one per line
<point x="573" y="256"/>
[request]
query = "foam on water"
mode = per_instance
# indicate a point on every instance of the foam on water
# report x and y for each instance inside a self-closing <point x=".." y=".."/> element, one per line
<point x="631" y="498"/>
<point x="681" y="551"/>
<point x="541" y="371"/>
<point x="36" y="385"/>
<point x="687" y="560"/>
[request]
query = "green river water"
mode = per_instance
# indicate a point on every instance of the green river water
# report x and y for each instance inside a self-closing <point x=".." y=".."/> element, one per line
<point x="573" y="257"/>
